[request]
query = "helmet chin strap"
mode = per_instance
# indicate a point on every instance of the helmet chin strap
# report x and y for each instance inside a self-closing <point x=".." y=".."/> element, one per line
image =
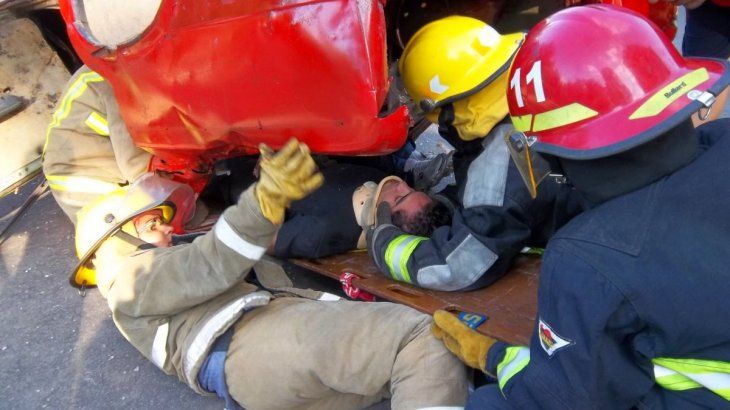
<point x="706" y="98"/>
<point x="134" y="241"/>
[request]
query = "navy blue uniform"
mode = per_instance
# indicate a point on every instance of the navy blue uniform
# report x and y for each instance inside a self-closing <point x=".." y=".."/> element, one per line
<point x="308" y="230"/>
<point x="707" y="32"/>
<point x="496" y="218"/>
<point x="634" y="301"/>
<point x="323" y="223"/>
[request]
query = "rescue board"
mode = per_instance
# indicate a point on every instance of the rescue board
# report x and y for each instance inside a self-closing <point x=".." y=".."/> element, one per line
<point x="510" y="304"/>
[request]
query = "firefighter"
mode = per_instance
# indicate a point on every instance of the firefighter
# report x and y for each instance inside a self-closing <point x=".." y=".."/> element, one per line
<point x="456" y="70"/>
<point x="707" y="31"/>
<point x="194" y="311"/>
<point x="88" y="150"/>
<point x="632" y="301"/>
<point x="707" y="34"/>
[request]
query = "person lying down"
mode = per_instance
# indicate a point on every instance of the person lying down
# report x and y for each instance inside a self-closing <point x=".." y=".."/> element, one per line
<point x="332" y="219"/>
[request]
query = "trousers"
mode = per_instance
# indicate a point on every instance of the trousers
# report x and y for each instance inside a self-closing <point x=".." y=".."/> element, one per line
<point x="305" y="354"/>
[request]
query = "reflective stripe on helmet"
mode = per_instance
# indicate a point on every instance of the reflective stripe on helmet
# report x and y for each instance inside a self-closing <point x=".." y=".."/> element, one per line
<point x="515" y="359"/>
<point x="74" y="92"/>
<point x="670" y="93"/>
<point x="82" y="185"/>
<point x="522" y="122"/>
<point x="557" y="117"/>
<point x="396" y="256"/>
<point x="685" y="374"/>
<point x="565" y="115"/>
<point x="97" y="123"/>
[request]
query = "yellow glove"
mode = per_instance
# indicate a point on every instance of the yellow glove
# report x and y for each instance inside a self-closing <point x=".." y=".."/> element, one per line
<point x="285" y="176"/>
<point x="468" y="345"/>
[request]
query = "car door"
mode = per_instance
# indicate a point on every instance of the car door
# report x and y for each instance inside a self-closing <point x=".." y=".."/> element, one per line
<point x="32" y="78"/>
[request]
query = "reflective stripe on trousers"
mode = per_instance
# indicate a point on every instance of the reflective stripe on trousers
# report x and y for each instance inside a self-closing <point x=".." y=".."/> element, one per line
<point x="685" y="374"/>
<point x="515" y="359"/>
<point x="397" y="254"/>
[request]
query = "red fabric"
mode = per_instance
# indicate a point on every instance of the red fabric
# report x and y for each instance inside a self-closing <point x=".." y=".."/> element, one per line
<point x="353" y="291"/>
<point x="722" y="3"/>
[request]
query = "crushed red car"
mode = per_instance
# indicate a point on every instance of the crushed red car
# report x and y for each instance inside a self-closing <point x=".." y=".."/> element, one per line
<point x="207" y="80"/>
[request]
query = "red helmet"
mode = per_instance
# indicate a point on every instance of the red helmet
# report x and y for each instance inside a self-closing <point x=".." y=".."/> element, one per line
<point x="593" y="81"/>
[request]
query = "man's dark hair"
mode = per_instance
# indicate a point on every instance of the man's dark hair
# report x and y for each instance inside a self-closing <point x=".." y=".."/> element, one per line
<point x="425" y="221"/>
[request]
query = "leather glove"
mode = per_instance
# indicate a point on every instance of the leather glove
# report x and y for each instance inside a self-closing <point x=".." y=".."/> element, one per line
<point x="468" y="345"/>
<point x="286" y="176"/>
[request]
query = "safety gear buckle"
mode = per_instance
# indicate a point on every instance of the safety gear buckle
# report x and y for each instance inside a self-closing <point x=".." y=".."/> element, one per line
<point x="532" y="167"/>
<point x="705" y="98"/>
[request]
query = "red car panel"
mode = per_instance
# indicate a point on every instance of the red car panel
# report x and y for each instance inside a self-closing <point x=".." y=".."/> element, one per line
<point x="213" y="79"/>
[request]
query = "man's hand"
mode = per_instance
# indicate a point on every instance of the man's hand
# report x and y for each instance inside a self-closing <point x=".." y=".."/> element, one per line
<point x="689" y="4"/>
<point x="286" y="176"/>
<point x="468" y="345"/>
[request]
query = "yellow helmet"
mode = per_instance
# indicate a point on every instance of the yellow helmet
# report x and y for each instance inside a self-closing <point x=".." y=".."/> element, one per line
<point x="112" y="215"/>
<point x="454" y="57"/>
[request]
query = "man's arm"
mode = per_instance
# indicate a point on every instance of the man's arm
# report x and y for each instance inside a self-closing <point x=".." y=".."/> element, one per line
<point x="167" y="280"/>
<point x="478" y="246"/>
<point x="580" y="354"/>
<point x="131" y="160"/>
<point x="164" y="281"/>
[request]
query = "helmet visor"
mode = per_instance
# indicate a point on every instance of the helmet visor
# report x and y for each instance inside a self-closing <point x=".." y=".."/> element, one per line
<point x="533" y="167"/>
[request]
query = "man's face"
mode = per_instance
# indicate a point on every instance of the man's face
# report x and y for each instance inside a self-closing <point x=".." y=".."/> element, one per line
<point x="151" y="228"/>
<point x="401" y="197"/>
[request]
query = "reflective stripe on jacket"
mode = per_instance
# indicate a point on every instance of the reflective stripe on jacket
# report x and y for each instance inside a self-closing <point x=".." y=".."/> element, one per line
<point x="685" y="374"/>
<point x="496" y="218"/>
<point x="632" y="303"/>
<point x="172" y="303"/>
<point x="88" y="150"/>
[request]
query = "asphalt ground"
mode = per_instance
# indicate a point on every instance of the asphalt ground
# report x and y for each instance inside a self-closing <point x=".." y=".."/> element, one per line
<point x="58" y="349"/>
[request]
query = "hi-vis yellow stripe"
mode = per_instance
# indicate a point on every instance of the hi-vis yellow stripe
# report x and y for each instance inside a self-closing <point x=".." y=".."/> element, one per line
<point x="567" y="114"/>
<point x="74" y="92"/>
<point x="522" y="122"/>
<point x="670" y="93"/>
<point x="562" y="116"/>
<point x="80" y="185"/>
<point x="516" y="358"/>
<point x="685" y="374"/>
<point x="97" y="123"/>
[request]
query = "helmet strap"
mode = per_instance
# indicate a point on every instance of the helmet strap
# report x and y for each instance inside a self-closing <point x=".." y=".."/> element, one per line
<point x="707" y="99"/>
<point x="133" y="240"/>
<point x="451" y="134"/>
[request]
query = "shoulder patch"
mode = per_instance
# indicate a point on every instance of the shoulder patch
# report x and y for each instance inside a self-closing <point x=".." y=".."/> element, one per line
<point x="550" y="341"/>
